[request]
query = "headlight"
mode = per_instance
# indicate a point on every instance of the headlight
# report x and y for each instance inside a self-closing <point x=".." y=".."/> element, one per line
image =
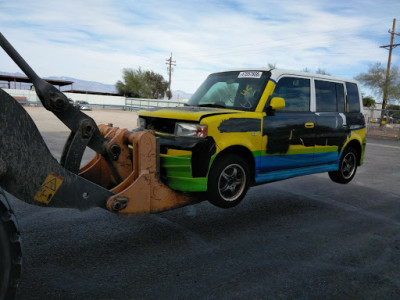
<point x="187" y="129"/>
<point x="141" y="123"/>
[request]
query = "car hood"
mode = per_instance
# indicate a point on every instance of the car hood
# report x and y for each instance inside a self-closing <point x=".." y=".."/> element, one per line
<point x="189" y="113"/>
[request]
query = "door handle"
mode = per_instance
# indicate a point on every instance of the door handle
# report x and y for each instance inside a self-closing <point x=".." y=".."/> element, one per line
<point x="309" y="125"/>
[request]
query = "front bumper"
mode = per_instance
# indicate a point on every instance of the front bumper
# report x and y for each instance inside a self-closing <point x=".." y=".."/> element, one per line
<point x="185" y="161"/>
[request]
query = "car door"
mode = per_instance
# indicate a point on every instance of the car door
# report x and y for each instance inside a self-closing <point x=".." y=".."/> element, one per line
<point x="290" y="132"/>
<point x="331" y="127"/>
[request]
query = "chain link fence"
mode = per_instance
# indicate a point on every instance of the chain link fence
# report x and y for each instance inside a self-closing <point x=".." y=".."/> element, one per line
<point x="386" y="127"/>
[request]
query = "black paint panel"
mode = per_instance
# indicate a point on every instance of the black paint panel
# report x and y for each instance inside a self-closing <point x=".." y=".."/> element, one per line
<point x="240" y="125"/>
<point x="355" y="120"/>
<point x="330" y="130"/>
<point x="183" y="108"/>
<point x="284" y="129"/>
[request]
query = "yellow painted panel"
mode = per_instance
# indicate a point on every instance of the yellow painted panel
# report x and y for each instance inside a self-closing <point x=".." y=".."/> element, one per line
<point x="175" y="152"/>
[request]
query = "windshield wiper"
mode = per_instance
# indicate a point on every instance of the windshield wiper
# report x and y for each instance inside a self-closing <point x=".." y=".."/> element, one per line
<point x="212" y="105"/>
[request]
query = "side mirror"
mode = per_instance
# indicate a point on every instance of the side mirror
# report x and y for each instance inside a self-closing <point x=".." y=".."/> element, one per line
<point x="277" y="103"/>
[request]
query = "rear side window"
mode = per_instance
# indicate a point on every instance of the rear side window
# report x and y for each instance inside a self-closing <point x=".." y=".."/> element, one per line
<point x="353" y="97"/>
<point x="325" y="95"/>
<point x="295" y="91"/>
<point x="329" y="96"/>
<point x="340" y="97"/>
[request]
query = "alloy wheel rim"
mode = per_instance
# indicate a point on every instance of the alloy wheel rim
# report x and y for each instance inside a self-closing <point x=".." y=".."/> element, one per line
<point x="231" y="182"/>
<point x="348" y="165"/>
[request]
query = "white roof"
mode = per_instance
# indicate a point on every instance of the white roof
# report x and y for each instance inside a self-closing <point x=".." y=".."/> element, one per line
<point x="276" y="73"/>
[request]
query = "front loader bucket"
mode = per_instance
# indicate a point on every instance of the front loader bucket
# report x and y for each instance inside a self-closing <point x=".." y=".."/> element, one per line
<point x="122" y="177"/>
<point x="141" y="191"/>
<point x="31" y="173"/>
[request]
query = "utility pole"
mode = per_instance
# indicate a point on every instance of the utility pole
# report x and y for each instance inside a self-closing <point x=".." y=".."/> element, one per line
<point x="390" y="47"/>
<point x="170" y="63"/>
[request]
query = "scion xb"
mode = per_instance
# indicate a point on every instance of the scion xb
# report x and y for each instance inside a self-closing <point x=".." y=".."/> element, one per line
<point x="248" y="127"/>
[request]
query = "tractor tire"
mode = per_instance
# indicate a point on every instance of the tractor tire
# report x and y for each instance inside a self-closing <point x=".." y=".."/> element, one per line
<point x="10" y="250"/>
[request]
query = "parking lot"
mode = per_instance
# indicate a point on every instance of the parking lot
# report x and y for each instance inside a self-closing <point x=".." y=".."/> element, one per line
<point x="303" y="238"/>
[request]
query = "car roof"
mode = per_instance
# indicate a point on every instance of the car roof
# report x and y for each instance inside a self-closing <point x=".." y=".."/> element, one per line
<point x="277" y="73"/>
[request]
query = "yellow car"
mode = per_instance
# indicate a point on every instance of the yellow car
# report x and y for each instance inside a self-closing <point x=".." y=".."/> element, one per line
<point x="247" y="127"/>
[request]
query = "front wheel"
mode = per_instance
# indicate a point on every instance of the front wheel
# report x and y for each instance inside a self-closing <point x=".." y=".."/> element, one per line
<point x="347" y="167"/>
<point x="228" y="181"/>
<point x="10" y="251"/>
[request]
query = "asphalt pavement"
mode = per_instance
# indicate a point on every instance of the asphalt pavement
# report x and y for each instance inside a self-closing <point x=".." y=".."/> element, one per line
<point x="302" y="238"/>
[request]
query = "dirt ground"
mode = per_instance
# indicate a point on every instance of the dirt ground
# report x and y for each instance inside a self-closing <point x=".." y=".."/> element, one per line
<point x="389" y="132"/>
<point x="46" y="121"/>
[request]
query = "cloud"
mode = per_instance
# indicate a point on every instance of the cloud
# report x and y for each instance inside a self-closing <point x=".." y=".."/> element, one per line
<point x="95" y="40"/>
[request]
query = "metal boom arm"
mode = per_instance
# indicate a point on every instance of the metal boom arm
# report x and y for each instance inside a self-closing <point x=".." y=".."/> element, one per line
<point x="84" y="131"/>
<point x="122" y="177"/>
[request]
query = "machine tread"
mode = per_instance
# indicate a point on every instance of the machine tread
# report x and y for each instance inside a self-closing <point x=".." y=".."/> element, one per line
<point x="7" y="217"/>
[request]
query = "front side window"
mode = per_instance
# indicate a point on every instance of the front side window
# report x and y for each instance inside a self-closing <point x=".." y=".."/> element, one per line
<point x="296" y="93"/>
<point x="240" y="90"/>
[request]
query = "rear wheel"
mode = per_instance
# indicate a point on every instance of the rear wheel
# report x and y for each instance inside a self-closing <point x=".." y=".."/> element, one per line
<point x="228" y="181"/>
<point x="10" y="251"/>
<point x="347" y="167"/>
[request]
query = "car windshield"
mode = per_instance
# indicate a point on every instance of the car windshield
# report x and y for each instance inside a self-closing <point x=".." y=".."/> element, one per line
<point x="240" y="90"/>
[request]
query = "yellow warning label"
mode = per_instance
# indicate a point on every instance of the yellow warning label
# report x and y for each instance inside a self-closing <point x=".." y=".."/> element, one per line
<point x="49" y="188"/>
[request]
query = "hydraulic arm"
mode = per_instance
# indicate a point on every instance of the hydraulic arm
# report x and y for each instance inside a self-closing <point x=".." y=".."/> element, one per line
<point x="122" y="177"/>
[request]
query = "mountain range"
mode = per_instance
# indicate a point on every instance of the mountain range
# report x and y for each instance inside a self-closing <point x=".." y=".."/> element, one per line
<point x="93" y="86"/>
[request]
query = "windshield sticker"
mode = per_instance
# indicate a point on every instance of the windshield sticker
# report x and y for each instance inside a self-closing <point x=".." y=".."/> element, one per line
<point x="250" y="74"/>
<point x="248" y="90"/>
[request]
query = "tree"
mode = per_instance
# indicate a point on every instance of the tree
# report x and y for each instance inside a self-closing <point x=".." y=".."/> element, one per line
<point x="156" y="85"/>
<point x="318" y="71"/>
<point x="322" y="72"/>
<point x="393" y="107"/>
<point x="142" y="84"/>
<point x="375" y="78"/>
<point x="368" y="101"/>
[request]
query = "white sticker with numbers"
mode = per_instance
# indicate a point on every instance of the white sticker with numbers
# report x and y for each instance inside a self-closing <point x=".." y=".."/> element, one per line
<point x="250" y="74"/>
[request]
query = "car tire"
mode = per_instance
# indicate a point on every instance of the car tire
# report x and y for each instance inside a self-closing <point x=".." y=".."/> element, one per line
<point x="10" y="251"/>
<point x="347" y="167"/>
<point x="228" y="181"/>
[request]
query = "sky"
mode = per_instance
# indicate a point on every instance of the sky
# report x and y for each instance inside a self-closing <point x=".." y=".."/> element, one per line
<point x="96" y="39"/>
